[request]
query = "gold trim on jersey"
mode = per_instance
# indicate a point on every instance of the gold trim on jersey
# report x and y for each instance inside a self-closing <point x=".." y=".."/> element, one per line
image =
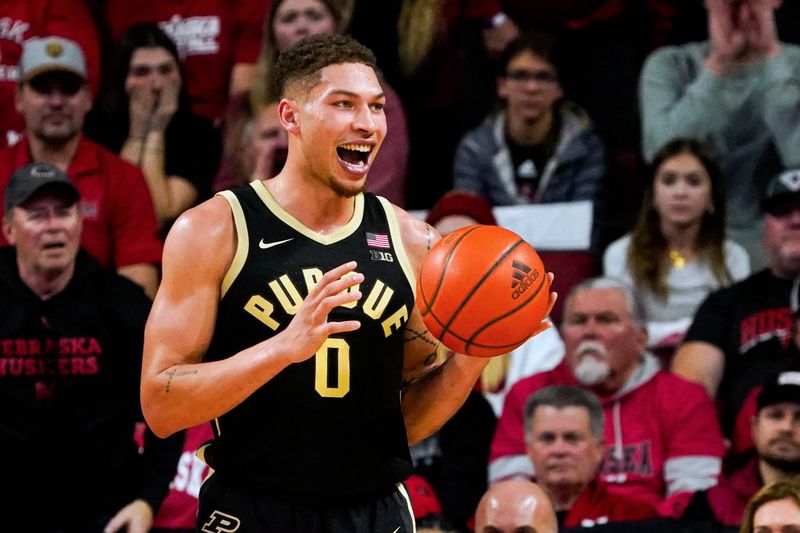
<point x="341" y="233"/>
<point x="399" y="247"/>
<point x="242" y="244"/>
<point x="404" y="493"/>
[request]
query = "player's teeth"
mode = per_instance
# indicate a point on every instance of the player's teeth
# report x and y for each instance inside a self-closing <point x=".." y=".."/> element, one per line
<point x="357" y="147"/>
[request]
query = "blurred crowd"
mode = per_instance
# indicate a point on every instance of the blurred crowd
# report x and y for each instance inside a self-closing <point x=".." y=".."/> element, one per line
<point x="666" y="395"/>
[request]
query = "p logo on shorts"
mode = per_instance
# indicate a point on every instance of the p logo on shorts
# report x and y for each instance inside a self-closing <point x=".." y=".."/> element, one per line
<point x="220" y="522"/>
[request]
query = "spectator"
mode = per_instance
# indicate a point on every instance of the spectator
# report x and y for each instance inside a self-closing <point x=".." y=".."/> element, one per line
<point x="774" y="509"/>
<point x="662" y="436"/>
<point x="287" y="22"/>
<point x="513" y="506"/>
<point x="736" y="91"/>
<point x="29" y="19"/>
<point x="70" y="358"/>
<point x="147" y="119"/>
<point x="217" y="40"/>
<point x="119" y="228"/>
<point x="256" y="147"/>
<point x="677" y="253"/>
<point x="776" y="434"/>
<point x="539" y="147"/>
<point x="564" y="440"/>
<point x="742" y="438"/>
<point x="739" y="333"/>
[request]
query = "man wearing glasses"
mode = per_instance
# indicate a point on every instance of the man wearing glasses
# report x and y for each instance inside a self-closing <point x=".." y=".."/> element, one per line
<point x="120" y="228"/>
<point x="538" y="147"/>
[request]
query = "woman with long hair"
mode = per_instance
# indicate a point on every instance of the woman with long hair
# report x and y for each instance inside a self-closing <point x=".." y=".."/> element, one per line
<point x="677" y="252"/>
<point x="146" y="118"/>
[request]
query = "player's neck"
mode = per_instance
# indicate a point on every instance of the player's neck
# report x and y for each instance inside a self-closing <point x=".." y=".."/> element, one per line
<point x="315" y="205"/>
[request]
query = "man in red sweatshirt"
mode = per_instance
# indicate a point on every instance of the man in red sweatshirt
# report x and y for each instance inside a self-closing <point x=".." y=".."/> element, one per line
<point x="564" y="438"/>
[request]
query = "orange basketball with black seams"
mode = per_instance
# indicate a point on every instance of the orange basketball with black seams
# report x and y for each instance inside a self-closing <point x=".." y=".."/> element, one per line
<point x="482" y="290"/>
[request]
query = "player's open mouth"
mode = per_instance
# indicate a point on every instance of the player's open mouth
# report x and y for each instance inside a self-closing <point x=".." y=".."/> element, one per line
<point x="355" y="157"/>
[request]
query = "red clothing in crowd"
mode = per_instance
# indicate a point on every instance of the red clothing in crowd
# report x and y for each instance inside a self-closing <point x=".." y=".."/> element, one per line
<point x="728" y="499"/>
<point x="596" y="505"/>
<point x="119" y="221"/>
<point x="25" y="19"/>
<point x="663" y="438"/>
<point x="212" y="36"/>
<point x="179" y="509"/>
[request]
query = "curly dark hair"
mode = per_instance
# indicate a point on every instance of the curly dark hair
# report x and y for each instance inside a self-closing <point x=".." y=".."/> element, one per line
<point x="304" y="61"/>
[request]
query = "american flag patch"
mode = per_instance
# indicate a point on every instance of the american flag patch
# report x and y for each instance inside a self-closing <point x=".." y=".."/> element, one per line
<point x="378" y="240"/>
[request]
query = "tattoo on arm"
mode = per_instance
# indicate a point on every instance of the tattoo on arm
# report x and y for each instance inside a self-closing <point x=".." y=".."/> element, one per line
<point x="430" y="236"/>
<point x="176" y="373"/>
<point x="411" y="334"/>
<point x="435" y="371"/>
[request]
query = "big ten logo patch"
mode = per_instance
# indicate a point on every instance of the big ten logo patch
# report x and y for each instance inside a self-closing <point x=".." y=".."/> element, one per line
<point x="220" y="522"/>
<point x="378" y="255"/>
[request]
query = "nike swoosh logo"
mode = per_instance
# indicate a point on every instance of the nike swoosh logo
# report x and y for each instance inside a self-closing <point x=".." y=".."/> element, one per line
<point x="264" y="245"/>
<point x="396" y="530"/>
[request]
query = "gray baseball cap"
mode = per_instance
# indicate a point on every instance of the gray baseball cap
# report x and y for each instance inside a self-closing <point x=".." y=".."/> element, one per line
<point x="27" y="180"/>
<point x="51" y="54"/>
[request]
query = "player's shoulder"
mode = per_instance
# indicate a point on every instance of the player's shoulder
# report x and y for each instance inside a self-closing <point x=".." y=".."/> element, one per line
<point x="206" y="225"/>
<point x="418" y="236"/>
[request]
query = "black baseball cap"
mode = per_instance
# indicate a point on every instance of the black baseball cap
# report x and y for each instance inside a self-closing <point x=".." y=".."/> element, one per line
<point x="785" y="387"/>
<point x="27" y="180"/>
<point x="783" y="190"/>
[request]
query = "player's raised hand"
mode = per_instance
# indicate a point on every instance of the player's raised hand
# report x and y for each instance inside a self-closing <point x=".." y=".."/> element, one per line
<point x="310" y="326"/>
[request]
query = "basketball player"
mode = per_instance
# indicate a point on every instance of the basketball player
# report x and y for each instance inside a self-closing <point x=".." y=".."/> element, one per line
<point x="286" y="317"/>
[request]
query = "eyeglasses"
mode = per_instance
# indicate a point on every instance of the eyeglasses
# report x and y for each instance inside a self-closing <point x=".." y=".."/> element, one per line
<point x="539" y="76"/>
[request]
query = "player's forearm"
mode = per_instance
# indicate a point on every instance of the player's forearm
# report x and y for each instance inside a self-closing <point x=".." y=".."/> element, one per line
<point x="430" y="401"/>
<point x="184" y="395"/>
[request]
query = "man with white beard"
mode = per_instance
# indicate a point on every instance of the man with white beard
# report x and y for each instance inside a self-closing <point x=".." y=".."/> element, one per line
<point x="663" y="440"/>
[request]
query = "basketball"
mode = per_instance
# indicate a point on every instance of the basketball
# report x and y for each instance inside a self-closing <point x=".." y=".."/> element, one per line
<point x="482" y="290"/>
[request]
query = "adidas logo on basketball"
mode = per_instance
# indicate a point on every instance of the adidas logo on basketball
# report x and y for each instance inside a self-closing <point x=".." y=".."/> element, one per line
<point x="522" y="278"/>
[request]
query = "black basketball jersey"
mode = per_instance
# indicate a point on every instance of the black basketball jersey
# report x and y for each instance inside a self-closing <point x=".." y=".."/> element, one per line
<point x="329" y="428"/>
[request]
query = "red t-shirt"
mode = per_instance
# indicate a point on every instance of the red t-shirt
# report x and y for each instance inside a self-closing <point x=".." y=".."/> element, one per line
<point x="119" y="221"/>
<point x="212" y="36"/>
<point x="21" y="21"/>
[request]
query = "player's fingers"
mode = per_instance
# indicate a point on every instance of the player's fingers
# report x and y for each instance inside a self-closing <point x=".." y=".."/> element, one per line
<point x="336" y="280"/>
<point x="340" y="286"/>
<point x="551" y="302"/>
<point x="334" y="274"/>
<point x="327" y="304"/>
<point x="545" y="325"/>
<point x="331" y="328"/>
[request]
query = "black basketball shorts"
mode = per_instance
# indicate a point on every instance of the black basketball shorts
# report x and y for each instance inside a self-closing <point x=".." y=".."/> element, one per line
<point x="225" y="508"/>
